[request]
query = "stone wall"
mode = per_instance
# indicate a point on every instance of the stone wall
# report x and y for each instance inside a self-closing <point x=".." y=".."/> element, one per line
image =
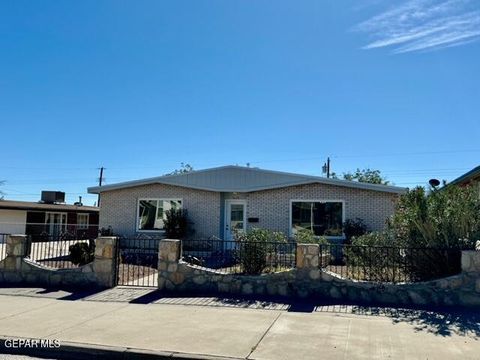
<point x="17" y="269"/>
<point x="307" y="280"/>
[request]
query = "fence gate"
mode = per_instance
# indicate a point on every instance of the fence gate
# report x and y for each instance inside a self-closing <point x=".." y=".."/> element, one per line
<point x="137" y="262"/>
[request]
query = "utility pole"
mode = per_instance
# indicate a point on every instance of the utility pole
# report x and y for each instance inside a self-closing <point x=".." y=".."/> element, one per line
<point x="326" y="168"/>
<point x="100" y="181"/>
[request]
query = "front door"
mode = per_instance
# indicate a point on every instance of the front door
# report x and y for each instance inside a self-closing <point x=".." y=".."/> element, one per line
<point x="235" y="217"/>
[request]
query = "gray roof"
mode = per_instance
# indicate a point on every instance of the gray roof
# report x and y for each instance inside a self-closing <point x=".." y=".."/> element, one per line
<point x="242" y="179"/>
<point x="467" y="177"/>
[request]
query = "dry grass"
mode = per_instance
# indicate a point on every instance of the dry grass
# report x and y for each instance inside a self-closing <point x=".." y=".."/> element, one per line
<point x="365" y="274"/>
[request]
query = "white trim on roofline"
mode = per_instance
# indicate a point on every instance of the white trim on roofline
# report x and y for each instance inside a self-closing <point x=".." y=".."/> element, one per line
<point x="302" y="180"/>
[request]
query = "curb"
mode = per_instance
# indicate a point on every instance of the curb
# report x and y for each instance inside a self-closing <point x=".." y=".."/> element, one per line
<point x="81" y="351"/>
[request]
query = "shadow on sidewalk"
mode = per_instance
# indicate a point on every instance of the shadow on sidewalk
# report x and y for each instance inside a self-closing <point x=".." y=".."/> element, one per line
<point x="59" y="293"/>
<point x="444" y="321"/>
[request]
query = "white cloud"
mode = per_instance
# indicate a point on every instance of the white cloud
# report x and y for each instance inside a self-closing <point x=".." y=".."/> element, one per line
<point x="419" y="25"/>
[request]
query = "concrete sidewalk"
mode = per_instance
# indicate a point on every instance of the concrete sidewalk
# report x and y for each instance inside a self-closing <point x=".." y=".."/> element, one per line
<point x="166" y="329"/>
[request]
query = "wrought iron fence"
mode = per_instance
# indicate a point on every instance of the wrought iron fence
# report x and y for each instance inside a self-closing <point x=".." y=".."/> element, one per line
<point x="137" y="262"/>
<point x="388" y="263"/>
<point x="239" y="257"/>
<point x="3" y="246"/>
<point x="58" y="252"/>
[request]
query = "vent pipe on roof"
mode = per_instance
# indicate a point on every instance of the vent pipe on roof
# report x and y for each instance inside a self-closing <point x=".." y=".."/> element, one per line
<point x="79" y="202"/>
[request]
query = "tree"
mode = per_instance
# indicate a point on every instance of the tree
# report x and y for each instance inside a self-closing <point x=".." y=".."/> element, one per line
<point x="365" y="176"/>
<point x="184" y="168"/>
<point x="1" y="192"/>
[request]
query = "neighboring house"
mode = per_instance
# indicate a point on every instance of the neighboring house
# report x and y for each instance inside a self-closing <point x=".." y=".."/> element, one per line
<point x="222" y="199"/>
<point x="42" y="219"/>
<point x="473" y="176"/>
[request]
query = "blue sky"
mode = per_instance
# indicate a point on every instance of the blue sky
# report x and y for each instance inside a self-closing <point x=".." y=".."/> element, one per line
<point x="141" y="86"/>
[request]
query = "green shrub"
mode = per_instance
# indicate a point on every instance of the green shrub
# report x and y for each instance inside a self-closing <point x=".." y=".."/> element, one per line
<point x="449" y="218"/>
<point x="82" y="253"/>
<point x="176" y="224"/>
<point x="384" y="238"/>
<point x="423" y="236"/>
<point x="254" y="247"/>
<point x="354" y="228"/>
<point x="306" y="236"/>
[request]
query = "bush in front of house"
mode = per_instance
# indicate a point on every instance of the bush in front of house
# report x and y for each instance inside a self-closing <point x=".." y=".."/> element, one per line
<point x="254" y="246"/>
<point x="428" y="230"/>
<point x="306" y="236"/>
<point x="372" y="257"/>
<point x="82" y="253"/>
<point x="176" y="224"/>
<point x="448" y="218"/>
<point x="353" y="228"/>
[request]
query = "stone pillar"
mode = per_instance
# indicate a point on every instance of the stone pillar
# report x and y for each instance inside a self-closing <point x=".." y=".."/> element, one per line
<point x="17" y="249"/>
<point x="471" y="261"/>
<point x="104" y="264"/>
<point x="169" y="255"/>
<point x="307" y="256"/>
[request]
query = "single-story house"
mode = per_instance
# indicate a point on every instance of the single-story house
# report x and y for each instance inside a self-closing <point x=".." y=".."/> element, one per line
<point x="470" y="177"/>
<point x="51" y="219"/>
<point x="222" y="199"/>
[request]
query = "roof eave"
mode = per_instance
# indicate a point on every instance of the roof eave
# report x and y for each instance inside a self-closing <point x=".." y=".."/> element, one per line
<point x="467" y="176"/>
<point x="350" y="184"/>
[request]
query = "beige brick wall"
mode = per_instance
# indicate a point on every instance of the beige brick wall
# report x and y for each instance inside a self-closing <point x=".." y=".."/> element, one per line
<point x="118" y="208"/>
<point x="272" y="207"/>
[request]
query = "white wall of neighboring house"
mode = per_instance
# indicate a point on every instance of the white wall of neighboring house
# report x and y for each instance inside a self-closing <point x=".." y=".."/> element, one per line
<point x="13" y="221"/>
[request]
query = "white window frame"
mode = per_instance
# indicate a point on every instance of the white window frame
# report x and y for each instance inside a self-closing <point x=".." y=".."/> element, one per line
<point x="64" y="225"/>
<point x="83" y="226"/>
<point x="342" y="237"/>
<point x="137" y="222"/>
<point x="227" y="214"/>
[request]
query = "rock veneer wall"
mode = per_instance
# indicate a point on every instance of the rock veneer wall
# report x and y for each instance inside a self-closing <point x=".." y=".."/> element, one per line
<point x="16" y="268"/>
<point x="307" y="280"/>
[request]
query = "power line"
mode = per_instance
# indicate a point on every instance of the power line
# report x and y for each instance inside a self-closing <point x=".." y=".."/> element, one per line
<point x="417" y="153"/>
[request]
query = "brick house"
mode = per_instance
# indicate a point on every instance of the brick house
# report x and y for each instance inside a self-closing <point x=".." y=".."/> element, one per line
<point x="221" y="199"/>
<point x="469" y="178"/>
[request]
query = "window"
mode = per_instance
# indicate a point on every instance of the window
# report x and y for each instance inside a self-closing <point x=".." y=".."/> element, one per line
<point x="322" y="217"/>
<point x="151" y="213"/>
<point x="55" y="223"/>
<point x="82" y="221"/>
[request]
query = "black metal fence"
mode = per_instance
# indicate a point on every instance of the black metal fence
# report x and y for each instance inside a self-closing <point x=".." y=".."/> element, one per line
<point x="390" y="264"/>
<point x="56" y="252"/>
<point x="137" y="262"/>
<point x="235" y="257"/>
<point x="3" y="246"/>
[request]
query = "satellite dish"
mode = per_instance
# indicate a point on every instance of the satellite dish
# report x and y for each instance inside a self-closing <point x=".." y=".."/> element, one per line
<point x="434" y="182"/>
